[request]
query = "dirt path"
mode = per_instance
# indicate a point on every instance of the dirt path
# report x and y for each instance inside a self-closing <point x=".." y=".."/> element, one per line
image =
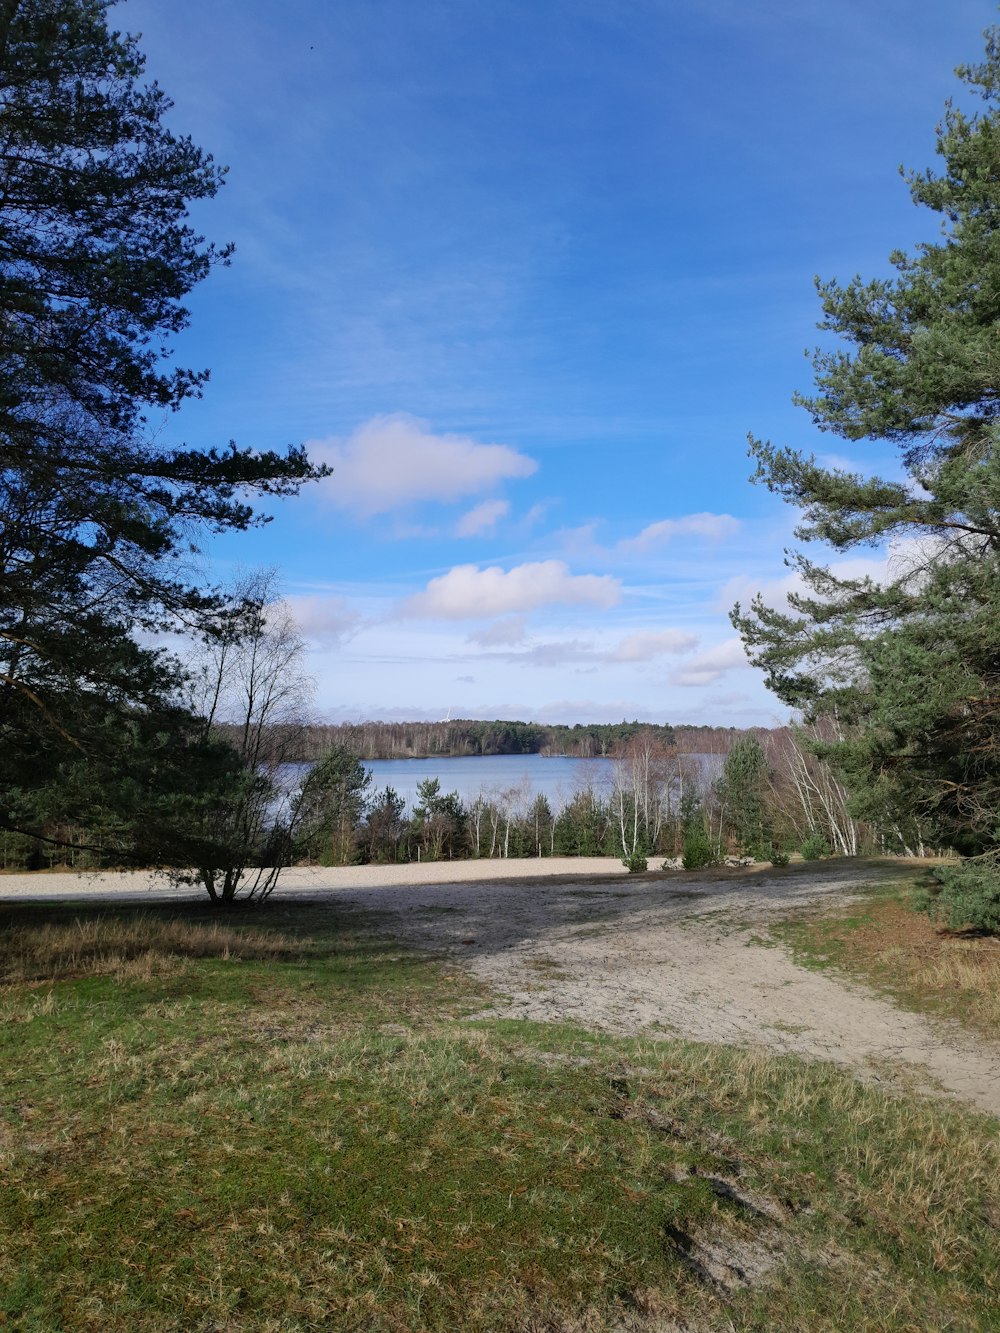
<point x="687" y="955"/>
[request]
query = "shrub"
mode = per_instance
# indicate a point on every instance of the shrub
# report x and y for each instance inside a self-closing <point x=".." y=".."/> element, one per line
<point x="635" y="863"/>
<point x="814" y="847"/>
<point x="969" y="896"/>
<point x="699" y="850"/>
<point x="776" y="855"/>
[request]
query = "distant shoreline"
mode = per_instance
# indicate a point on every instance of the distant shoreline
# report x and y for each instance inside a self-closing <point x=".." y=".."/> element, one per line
<point x="471" y="738"/>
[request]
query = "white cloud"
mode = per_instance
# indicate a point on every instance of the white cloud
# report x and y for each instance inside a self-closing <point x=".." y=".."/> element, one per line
<point x="745" y="587"/>
<point x="712" y="664"/>
<point x="634" y="649"/>
<point x="554" y="654"/>
<point x="483" y="518"/>
<point x="502" y="633"/>
<point x="714" y="527"/>
<point x="325" y="620"/>
<point x="580" y="541"/>
<point x="469" y="593"/>
<point x="905" y="557"/>
<point x="395" y="460"/>
<point x="730" y="700"/>
<point x="534" y="515"/>
<point x="655" y="643"/>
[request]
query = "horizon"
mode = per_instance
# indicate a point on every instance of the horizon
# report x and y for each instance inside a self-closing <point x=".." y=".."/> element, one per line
<point x="526" y="278"/>
<point x="532" y="722"/>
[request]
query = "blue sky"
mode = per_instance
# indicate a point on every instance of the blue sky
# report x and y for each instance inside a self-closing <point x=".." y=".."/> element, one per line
<point x="526" y="274"/>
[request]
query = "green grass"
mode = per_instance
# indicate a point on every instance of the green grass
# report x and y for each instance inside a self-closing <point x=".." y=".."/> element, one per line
<point x="288" y="1123"/>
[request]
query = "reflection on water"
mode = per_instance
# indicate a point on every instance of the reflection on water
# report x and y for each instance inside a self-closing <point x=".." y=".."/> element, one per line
<point x="556" y="778"/>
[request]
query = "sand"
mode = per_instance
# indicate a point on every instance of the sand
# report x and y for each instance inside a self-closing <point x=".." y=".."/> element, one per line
<point x="670" y="954"/>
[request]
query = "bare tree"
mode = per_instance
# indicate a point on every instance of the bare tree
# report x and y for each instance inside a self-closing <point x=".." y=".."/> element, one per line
<point x="805" y="791"/>
<point x="250" y="675"/>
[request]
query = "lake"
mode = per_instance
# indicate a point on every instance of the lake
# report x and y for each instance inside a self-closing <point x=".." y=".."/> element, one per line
<point x="557" y="778"/>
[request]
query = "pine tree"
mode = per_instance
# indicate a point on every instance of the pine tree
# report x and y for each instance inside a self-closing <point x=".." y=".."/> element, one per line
<point x="911" y="664"/>
<point x="96" y="258"/>
<point x="741" y="792"/>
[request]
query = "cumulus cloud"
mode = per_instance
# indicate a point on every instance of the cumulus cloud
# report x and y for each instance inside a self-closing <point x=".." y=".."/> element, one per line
<point x="714" y="527"/>
<point x="323" y="620"/>
<point x="482" y="518"/>
<point x="709" y="666"/>
<point x="502" y="633"/>
<point x="467" y="592"/>
<point x="906" y="558"/>
<point x="655" y="643"/>
<point x="396" y="460"/>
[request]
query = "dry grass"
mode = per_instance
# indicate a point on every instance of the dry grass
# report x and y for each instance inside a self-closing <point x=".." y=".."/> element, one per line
<point x="889" y="944"/>
<point x="316" y="1139"/>
<point x="132" y="946"/>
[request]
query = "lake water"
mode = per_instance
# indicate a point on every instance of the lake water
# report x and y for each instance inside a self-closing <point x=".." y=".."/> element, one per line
<point x="557" y="778"/>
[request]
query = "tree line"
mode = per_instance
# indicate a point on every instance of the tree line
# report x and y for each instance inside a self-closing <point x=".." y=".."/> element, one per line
<point x="769" y="797"/>
<point x="765" y="795"/>
<point x="465" y="737"/>
<point x="119" y="750"/>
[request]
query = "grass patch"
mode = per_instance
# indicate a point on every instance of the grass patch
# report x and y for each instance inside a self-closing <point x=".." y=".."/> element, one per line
<point x="132" y="946"/>
<point x="884" y="941"/>
<point x="291" y="1123"/>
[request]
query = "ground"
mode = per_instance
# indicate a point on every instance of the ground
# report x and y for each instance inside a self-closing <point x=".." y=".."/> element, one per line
<point x="497" y="1104"/>
<point x="686" y="955"/>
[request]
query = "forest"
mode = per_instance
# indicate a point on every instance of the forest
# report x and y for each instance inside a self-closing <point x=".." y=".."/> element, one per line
<point x="118" y="750"/>
<point x="766" y="796"/>
<point x="372" y="739"/>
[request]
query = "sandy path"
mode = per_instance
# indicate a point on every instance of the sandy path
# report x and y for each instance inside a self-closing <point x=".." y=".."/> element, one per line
<point x="138" y="885"/>
<point x="685" y="955"/>
<point x="682" y="954"/>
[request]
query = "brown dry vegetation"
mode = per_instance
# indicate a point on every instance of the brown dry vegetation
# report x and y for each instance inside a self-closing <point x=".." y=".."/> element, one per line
<point x="887" y="943"/>
<point x="293" y="1124"/>
<point x="129" y="945"/>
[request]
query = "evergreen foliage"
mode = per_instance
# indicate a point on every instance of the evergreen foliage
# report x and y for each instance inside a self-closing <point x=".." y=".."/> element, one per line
<point x="815" y="847"/>
<point x="334" y="801"/>
<point x="541" y="824"/>
<point x="742" y="794"/>
<point x="96" y="515"/>
<point x="910" y="665"/>
<point x="584" y="827"/>
<point x="969" y="895"/>
<point x="699" y="849"/>
<point x="385" y="827"/>
<point x="439" y="820"/>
